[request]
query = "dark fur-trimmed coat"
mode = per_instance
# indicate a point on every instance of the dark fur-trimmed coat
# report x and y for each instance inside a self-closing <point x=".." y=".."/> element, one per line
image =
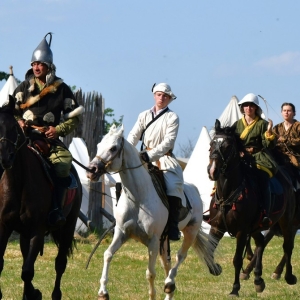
<point x="46" y="107"/>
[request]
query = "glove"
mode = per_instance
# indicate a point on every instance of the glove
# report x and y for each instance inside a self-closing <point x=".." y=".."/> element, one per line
<point x="144" y="156"/>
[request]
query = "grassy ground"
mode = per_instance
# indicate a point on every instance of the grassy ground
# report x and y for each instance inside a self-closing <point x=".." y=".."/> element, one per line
<point x="127" y="274"/>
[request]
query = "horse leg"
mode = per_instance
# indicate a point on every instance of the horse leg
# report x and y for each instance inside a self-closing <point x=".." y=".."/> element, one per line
<point x="118" y="240"/>
<point x="245" y="274"/>
<point x="288" y="246"/>
<point x="260" y="246"/>
<point x="30" y="248"/>
<point x="165" y="257"/>
<point x="279" y="269"/>
<point x="153" y="249"/>
<point x="241" y="239"/>
<point x="65" y="241"/>
<point x="4" y="235"/>
<point x="249" y="252"/>
<point x="189" y="234"/>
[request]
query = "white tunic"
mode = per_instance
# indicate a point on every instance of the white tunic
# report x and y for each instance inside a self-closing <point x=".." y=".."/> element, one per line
<point x="160" y="137"/>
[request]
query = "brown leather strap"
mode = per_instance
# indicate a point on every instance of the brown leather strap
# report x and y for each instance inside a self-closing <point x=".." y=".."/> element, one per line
<point x="169" y="153"/>
<point x="252" y="150"/>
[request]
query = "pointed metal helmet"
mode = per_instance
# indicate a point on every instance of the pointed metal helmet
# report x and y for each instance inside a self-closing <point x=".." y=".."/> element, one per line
<point x="43" y="52"/>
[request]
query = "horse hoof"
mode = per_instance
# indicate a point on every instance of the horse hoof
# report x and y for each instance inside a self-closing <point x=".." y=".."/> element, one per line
<point x="37" y="295"/>
<point x="275" y="276"/>
<point x="169" y="288"/>
<point x="102" y="296"/>
<point x="291" y="280"/>
<point x="259" y="287"/>
<point x="244" y="276"/>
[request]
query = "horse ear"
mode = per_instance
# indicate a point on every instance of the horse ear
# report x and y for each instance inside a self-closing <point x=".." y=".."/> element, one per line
<point x="112" y="128"/>
<point x="8" y="104"/>
<point x="120" y="129"/>
<point x="217" y="125"/>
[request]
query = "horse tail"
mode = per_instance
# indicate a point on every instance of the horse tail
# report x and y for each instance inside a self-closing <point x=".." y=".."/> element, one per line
<point x="59" y="240"/>
<point x="205" y="246"/>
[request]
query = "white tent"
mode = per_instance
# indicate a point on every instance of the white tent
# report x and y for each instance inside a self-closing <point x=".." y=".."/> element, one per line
<point x="8" y="87"/>
<point x="196" y="169"/>
<point x="230" y="114"/>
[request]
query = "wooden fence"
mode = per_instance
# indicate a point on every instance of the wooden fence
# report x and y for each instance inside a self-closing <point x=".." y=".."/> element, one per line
<point x="90" y="129"/>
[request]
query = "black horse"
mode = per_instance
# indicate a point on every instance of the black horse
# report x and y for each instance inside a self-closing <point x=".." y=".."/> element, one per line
<point x="25" y="200"/>
<point x="236" y="207"/>
<point x="288" y="172"/>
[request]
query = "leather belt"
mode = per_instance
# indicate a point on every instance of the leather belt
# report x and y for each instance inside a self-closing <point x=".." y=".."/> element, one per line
<point x="169" y="153"/>
<point x="252" y="150"/>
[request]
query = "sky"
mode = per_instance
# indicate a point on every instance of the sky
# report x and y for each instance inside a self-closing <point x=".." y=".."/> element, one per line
<point x="207" y="51"/>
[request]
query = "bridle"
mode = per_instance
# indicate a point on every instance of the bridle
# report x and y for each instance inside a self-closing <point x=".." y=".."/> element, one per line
<point x="223" y="169"/>
<point x="217" y="152"/>
<point x="15" y="144"/>
<point x="118" y="153"/>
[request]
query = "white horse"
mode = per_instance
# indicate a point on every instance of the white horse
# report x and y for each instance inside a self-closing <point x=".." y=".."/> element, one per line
<point x="141" y="214"/>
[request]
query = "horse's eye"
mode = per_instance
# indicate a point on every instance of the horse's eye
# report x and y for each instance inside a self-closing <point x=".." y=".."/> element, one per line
<point x="113" y="149"/>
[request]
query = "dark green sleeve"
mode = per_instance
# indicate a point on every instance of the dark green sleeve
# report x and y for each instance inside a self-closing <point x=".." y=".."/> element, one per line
<point x="65" y="128"/>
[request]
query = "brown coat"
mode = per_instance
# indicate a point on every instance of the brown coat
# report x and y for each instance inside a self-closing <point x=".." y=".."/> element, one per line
<point x="291" y="143"/>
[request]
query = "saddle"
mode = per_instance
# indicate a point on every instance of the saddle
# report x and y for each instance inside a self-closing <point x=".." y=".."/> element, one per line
<point x="41" y="148"/>
<point x="159" y="183"/>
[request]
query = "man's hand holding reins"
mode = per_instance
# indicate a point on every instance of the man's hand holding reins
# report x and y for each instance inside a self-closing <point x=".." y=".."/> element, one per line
<point x="51" y="133"/>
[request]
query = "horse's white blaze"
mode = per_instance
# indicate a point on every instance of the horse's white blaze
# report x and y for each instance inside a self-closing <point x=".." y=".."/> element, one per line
<point x="212" y="169"/>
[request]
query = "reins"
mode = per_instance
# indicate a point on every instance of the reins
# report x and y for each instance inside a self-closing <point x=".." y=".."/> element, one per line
<point x="108" y="163"/>
<point x="223" y="169"/>
<point x="15" y="144"/>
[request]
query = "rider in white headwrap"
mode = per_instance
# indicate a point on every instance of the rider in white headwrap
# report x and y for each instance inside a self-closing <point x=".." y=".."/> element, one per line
<point x="159" y="138"/>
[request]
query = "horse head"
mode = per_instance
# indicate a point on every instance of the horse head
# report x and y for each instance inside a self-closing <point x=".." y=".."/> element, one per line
<point x="222" y="152"/>
<point x="10" y="133"/>
<point x="109" y="154"/>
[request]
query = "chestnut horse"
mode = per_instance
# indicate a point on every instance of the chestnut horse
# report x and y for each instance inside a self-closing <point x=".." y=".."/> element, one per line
<point x="236" y="207"/>
<point x="25" y="200"/>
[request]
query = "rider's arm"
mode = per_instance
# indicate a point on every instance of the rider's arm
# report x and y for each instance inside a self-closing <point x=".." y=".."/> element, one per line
<point x="63" y="129"/>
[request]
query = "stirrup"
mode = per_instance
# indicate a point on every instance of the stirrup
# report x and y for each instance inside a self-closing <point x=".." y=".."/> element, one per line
<point x="56" y="219"/>
<point x="266" y="222"/>
<point x="174" y="234"/>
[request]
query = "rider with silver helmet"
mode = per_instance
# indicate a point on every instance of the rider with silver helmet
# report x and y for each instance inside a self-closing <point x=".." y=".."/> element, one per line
<point x="256" y="137"/>
<point x="40" y="102"/>
<point x="157" y="128"/>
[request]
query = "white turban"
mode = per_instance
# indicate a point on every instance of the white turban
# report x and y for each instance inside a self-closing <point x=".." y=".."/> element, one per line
<point x="165" y="88"/>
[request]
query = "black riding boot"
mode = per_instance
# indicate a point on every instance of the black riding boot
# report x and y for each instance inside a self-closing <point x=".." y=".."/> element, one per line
<point x="174" y="211"/>
<point x="267" y="205"/>
<point x="56" y="218"/>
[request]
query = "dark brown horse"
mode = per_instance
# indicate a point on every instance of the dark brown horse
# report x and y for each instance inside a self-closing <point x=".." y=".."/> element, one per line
<point x="236" y="207"/>
<point x="286" y="168"/>
<point x="25" y="200"/>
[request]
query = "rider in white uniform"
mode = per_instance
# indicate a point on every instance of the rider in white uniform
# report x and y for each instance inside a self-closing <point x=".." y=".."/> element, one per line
<point x="159" y="139"/>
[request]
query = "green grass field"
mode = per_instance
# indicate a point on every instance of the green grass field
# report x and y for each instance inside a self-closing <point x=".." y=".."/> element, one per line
<point x="127" y="273"/>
